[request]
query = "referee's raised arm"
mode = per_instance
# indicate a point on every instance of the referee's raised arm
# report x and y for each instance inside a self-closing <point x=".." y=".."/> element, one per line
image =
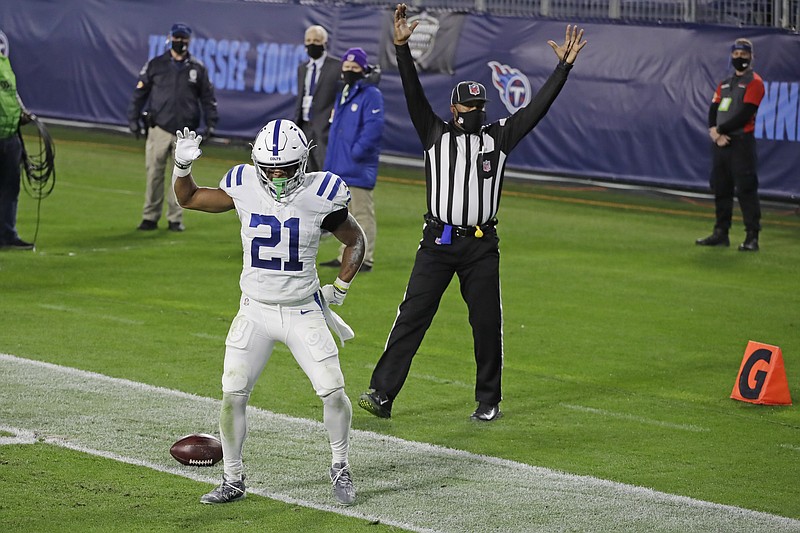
<point x="523" y="121"/>
<point x="426" y="122"/>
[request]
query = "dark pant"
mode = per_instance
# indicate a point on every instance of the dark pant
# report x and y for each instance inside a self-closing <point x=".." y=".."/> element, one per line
<point x="10" y="157"/>
<point x="734" y="170"/>
<point x="476" y="261"/>
<point x="319" y="135"/>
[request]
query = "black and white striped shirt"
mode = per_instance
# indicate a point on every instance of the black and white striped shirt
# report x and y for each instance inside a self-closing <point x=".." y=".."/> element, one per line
<point x="464" y="172"/>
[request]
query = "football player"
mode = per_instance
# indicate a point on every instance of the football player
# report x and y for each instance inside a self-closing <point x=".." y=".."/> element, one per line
<point x="283" y="210"/>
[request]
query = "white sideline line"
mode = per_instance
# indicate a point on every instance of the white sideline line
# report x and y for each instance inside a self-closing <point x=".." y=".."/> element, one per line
<point x="640" y="419"/>
<point x="435" y="379"/>
<point x="27" y="437"/>
<point x="100" y="189"/>
<point x="124" y="248"/>
<point x="111" y="318"/>
<point x="412" y="485"/>
<point x="209" y="336"/>
<point x="443" y="381"/>
<point x="21" y="436"/>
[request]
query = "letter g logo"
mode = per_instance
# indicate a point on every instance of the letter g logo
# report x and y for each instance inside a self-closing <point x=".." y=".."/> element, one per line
<point x="759" y="377"/>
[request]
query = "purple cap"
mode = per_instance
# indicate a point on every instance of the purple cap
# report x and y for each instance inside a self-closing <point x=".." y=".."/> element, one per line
<point x="356" y="55"/>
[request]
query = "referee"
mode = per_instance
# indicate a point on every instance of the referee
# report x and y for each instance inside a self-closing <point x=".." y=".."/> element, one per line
<point x="464" y="165"/>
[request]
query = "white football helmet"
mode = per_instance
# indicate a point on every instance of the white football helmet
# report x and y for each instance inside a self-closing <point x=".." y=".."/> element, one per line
<point x="281" y="144"/>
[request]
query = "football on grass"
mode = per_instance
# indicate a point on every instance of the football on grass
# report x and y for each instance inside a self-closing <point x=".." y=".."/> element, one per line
<point x="198" y="449"/>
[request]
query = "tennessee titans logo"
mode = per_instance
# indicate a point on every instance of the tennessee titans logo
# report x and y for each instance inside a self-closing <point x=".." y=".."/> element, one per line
<point x="513" y="86"/>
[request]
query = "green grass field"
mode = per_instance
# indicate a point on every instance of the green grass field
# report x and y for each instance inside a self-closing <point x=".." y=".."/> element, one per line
<point x="622" y="341"/>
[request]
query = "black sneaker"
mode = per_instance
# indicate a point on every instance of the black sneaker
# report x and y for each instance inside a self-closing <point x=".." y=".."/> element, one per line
<point x="365" y="268"/>
<point x="332" y="263"/>
<point x="228" y="491"/>
<point x="376" y="403"/>
<point x="718" y="238"/>
<point x="18" y="244"/>
<point x="343" y="489"/>
<point x="750" y="243"/>
<point x="486" y="412"/>
<point x="147" y="225"/>
<point x="176" y="226"/>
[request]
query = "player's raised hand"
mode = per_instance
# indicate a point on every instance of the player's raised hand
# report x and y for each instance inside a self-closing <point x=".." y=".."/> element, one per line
<point x="573" y="44"/>
<point x="402" y="31"/>
<point x="187" y="148"/>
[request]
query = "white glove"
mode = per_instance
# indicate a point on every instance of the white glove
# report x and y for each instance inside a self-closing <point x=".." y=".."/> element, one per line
<point x="334" y="294"/>
<point x="187" y="150"/>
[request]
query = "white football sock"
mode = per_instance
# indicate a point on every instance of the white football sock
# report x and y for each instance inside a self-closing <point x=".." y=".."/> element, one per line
<point x="232" y="432"/>
<point x="337" y="414"/>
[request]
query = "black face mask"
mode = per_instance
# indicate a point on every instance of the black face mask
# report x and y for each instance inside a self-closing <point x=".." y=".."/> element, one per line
<point x="471" y="121"/>
<point x="740" y="63"/>
<point x="179" y="47"/>
<point x="315" y="50"/>
<point x="350" y="77"/>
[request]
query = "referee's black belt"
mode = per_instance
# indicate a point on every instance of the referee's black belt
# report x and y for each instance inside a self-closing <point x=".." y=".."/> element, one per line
<point x="462" y="231"/>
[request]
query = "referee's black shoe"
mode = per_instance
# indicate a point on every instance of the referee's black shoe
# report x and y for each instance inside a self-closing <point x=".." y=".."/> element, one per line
<point x="750" y="243"/>
<point x="718" y="238"/>
<point x="486" y="412"/>
<point x="376" y="403"/>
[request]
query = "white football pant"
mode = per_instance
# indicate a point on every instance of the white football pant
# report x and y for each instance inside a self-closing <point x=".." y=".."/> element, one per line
<point x="251" y="339"/>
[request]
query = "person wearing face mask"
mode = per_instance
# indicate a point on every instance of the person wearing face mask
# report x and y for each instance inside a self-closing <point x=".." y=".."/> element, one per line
<point x="464" y="165"/>
<point x="317" y="85"/>
<point x="173" y="88"/>
<point x="282" y="299"/>
<point x="354" y="145"/>
<point x="731" y="123"/>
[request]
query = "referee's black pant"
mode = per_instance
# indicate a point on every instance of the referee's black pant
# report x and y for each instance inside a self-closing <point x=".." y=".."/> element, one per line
<point x="734" y="171"/>
<point x="476" y="261"/>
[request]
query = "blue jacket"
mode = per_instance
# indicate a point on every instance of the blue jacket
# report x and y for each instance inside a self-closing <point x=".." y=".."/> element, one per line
<point x="355" y="137"/>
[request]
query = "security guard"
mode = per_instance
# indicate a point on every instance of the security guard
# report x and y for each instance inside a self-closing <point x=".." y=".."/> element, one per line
<point x="731" y="126"/>
<point x="172" y="88"/>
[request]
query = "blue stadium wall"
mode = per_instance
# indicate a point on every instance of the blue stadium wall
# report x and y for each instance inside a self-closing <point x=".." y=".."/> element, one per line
<point x="634" y="108"/>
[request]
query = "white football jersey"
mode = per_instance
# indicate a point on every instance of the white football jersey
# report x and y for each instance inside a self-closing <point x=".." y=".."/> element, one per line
<point x="280" y="239"/>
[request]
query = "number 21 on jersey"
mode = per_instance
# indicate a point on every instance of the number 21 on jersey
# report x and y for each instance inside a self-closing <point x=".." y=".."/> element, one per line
<point x="276" y="242"/>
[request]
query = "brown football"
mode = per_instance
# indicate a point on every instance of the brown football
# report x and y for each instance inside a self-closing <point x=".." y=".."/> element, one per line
<point x="198" y="449"/>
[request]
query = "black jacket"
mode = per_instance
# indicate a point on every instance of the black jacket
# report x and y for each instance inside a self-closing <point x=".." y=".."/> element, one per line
<point x="174" y="92"/>
<point x="322" y="102"/>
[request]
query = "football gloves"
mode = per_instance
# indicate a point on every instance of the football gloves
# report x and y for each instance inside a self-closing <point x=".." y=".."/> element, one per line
<point x="187" y="150"/>
<point x="334" y="294"/>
